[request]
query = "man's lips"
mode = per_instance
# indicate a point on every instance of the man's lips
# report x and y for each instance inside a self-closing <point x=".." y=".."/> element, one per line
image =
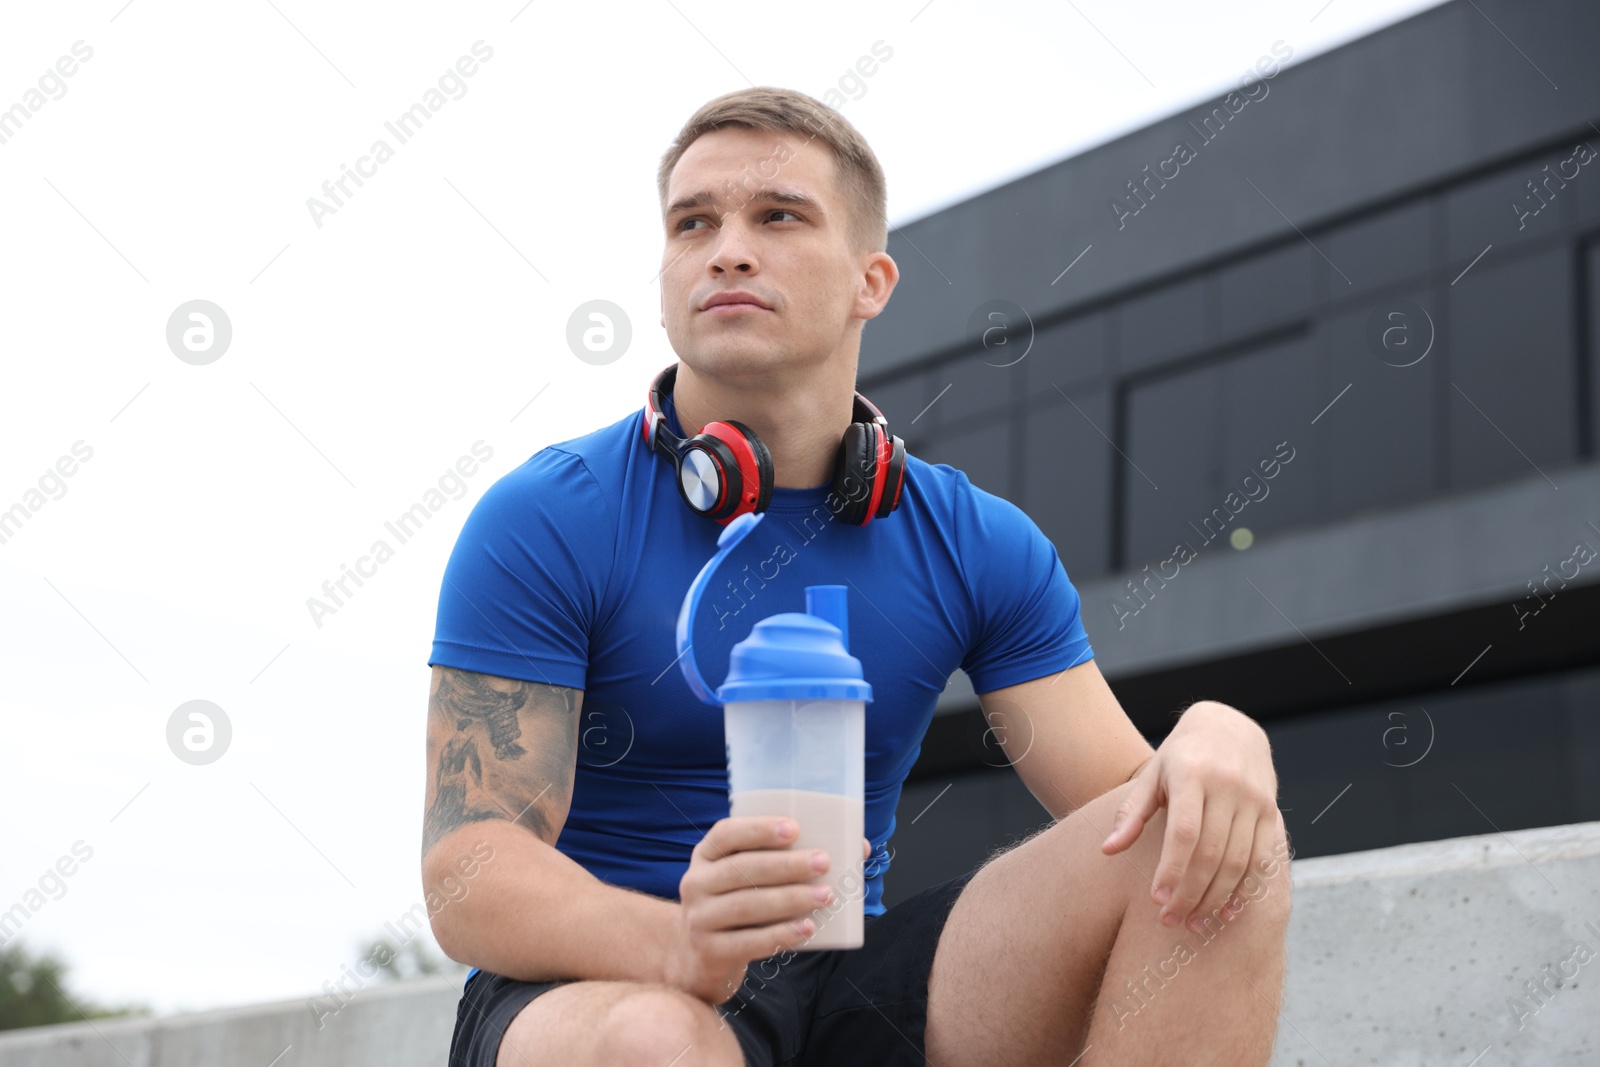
<point x="734" y="300"/>
<point x="732" y="308"/>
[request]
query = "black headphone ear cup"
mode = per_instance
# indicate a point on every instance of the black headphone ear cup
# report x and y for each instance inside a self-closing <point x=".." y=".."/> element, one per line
<point x="758" y="448"/>
<point x="894" y="477"/>
<point x="854" y="471"/>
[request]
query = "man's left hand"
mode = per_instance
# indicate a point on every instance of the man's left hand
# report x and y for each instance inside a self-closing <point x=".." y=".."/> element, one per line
<point x="1214" y="776"/>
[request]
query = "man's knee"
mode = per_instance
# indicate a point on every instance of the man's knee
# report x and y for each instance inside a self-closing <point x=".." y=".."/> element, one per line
<point x="1264" y="887"/>
<point x="1100" y="817"/>
<point x="1267" y="886"/>
<point x="651" y="1026"/>
<point x="604" y="1023"/>
<point x="1261" y="902"/>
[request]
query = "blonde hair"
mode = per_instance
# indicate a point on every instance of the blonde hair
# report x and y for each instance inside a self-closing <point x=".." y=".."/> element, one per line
<point x="775" y="110"/>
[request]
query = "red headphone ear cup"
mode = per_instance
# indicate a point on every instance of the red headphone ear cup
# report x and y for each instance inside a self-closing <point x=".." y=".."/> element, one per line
<point x="705" y="464"/>
<point x="763" y="458"/>
<point x="754" y="465"/>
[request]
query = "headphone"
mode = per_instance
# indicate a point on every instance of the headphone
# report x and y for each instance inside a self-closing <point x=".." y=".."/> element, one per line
<point x="725" y="470"/>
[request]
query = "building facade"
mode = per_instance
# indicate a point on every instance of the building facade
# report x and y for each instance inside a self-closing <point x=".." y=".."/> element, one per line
<point x="1302" y="383"/>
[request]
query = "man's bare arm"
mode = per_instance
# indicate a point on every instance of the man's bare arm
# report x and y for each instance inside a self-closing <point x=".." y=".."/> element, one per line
<point x="501" y="755"/>
<point x="479" y="732"/>
<point x="1067" y="736"/>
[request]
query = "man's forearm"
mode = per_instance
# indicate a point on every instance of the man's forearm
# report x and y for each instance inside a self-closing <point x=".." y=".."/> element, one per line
<point x="535" y="915"/>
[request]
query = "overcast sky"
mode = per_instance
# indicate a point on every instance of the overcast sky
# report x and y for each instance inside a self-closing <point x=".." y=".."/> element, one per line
<point x="371" y="348"/>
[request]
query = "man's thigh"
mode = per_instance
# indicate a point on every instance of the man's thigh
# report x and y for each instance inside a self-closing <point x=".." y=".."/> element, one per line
<point x="871" y="1004"/>
<point x="1020" y="960"/>
<point x="577" y="1024"/>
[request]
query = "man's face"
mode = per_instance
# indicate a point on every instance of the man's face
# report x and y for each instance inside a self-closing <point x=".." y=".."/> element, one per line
<point x="760" y="213"/>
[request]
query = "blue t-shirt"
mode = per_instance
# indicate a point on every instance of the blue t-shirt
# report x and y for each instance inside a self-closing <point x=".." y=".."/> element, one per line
<point x="571" y="569"/>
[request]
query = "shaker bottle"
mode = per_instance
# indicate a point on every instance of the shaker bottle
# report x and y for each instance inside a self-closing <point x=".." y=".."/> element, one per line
<point x="794" y="706"/>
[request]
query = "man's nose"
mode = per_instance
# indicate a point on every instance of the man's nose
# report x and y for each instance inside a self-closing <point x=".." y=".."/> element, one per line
<point x="733" y="251"/>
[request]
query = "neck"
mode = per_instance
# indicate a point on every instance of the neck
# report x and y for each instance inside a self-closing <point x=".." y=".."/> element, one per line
<point x="800" y="418"/>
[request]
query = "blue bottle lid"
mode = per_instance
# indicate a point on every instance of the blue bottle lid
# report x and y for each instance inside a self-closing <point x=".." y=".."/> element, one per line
<point x="790" y="656"/>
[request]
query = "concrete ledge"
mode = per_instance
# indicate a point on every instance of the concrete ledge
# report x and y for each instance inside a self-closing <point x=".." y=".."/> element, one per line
<point x="406" y="1024"/>
<point x="1449" y="552"/>
<point x="1403" y="956"/>
<point x="1413" y="954"/>
<point x="1540" y="847"/>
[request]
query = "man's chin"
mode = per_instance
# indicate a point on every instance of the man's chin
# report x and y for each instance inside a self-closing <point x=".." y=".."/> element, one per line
<point x="735" y="363"/>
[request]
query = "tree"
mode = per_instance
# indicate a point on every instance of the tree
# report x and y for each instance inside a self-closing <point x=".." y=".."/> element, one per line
<point x="33" y="992"/>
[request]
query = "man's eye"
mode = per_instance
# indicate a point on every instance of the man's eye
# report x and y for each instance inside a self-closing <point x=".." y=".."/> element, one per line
<point x="685" y="223"/>
<point x="781" y="211"/>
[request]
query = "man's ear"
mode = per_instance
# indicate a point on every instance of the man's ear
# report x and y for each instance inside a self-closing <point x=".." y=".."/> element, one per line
<point x="878" y="279"/>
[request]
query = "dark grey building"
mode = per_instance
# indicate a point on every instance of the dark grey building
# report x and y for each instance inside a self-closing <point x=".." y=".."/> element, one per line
<point x="1302" y="383"/>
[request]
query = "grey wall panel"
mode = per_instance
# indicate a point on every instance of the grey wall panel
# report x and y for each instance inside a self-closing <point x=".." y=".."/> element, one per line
<point x="1264" y="290"/>
<point x="1588" y="184"/>
<point x="979" y="385"/>
<point x="1502" y="210"/>
<point x="921" y="318"/>
<point x="1175" y="438"/>
<point x="901" y="400"/>
<point x="1317" y="757"/>
<point x="983" y="452"/>
<point x="1511" y="356"/>
<point x="1162" y="324"/>
<point x="1197" y="434"/>
<point x="1441" y="764"/>
<point x="1269" y="398"/>
<point x="1580" y="700"/>
<point x="1375" y="445"/>
<point x="1592" y="356"/>
<point x="1485" y="772"/>
<point x="1068" y="354"/>
<point x="1527" y="55"/>
<point x="938" y="837"/>
<point x="1378" y="251"/>
<point x="1066" y="478"/>
<point x="1437" y="94"/>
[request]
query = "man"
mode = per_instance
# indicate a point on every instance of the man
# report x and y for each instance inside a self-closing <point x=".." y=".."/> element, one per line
<point x="624" y="917"/>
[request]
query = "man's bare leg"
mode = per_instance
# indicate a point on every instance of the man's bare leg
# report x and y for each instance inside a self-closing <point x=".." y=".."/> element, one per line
<point x="1054" y="951"/>
<point x="618" y="1024"/>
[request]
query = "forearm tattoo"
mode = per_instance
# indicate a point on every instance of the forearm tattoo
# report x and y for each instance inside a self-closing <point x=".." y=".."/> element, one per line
<point x="485" y="768"/>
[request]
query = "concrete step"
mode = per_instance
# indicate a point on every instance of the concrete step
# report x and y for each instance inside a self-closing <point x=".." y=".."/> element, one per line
<point x="1476" y="950"/>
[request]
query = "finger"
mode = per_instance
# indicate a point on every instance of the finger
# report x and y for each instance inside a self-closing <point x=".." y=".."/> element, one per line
<point x="866" y="848"/>
<point x="759" y="942"/>
<point x="759" y="907"/>
<point x="1136" y="809"/>
<point x="746" y="832"/>
<point x="1184" y="810"/>
<point x="1268" y="856"/>
<point x="1214" y="907"/>
<point x="756" y="868"/>
<point x="1265" y="863"/>
<point x="1216" y="822"/>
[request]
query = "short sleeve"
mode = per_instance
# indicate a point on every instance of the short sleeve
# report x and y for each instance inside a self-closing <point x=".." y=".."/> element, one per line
<point x="1027" y="623"/>
<point x="527" y="577"/>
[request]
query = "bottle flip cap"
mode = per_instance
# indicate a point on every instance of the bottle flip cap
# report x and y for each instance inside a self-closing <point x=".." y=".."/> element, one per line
<point x="790" y="656"/>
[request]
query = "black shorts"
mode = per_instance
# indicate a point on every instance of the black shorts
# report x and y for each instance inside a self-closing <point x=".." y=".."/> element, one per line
<point x="832" y="1007"/>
